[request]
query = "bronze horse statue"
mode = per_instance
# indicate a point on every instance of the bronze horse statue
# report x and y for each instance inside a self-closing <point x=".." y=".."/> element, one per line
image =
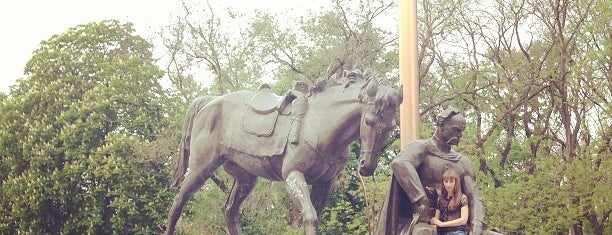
<point x="250" y="140"/>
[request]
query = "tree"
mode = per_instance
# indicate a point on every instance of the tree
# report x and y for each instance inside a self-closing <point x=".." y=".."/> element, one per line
<point x="345" y="37"/>
<point x="81" y="135"/>
<point x="226" y="55"/>
<point x="523" y="70"/>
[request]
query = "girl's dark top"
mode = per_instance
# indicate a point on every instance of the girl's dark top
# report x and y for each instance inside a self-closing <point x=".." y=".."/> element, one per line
<point x="446" y="214"/>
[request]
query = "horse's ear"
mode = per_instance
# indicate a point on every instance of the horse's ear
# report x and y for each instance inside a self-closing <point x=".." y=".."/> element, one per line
<point x="372" y="87"/>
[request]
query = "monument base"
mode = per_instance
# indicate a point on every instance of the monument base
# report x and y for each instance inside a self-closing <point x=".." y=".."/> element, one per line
<point x="428" y="229"/>
<point x="419" y="229"/>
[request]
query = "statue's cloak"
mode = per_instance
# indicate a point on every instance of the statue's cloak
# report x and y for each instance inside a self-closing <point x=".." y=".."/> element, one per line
<point x="396" y="210"/>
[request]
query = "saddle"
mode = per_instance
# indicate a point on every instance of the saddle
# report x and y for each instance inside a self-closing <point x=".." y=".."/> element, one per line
<point x="258" y="133"/>
<point x="262" y="111"/>
<point x="266" y="101"/>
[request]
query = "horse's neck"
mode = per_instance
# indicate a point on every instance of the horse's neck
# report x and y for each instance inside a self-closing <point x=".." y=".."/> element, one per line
<point x="332" y="120"/>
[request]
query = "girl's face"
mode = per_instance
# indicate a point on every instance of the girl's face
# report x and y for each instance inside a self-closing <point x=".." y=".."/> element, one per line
<point x="449" y="184"/>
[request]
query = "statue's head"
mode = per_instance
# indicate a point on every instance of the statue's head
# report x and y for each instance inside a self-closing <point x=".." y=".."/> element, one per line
<point x="449" y="126"/>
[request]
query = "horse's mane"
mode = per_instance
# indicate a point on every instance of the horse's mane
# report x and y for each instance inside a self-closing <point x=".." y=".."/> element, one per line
<point x="347" y="78"/>
<point x="385" y="95"/>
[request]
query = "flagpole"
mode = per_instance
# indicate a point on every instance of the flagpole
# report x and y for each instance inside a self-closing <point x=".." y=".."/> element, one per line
<point x="409" y="70"/>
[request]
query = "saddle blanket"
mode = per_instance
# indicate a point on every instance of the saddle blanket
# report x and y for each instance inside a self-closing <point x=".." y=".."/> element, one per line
<point x="258" y="134"/>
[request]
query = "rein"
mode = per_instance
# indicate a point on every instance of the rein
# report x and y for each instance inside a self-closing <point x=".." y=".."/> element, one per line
<point x="369" y="216"/>
<point x="367" y="153"/>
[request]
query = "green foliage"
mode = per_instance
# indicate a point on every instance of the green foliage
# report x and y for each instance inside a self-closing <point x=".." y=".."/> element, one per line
<point x="265" y="211"/>
<point x="540" y="195"/>
<point x="197" y="41"/>
<point x="80" y="147"/>
<point x="345" y="211"/>
<point x="343" y="37"/>
<point x="555" y="194"/>
<point x="206" y="215"/>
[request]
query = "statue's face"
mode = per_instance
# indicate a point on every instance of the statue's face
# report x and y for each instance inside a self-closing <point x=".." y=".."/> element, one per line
<point x="452" y="129"/>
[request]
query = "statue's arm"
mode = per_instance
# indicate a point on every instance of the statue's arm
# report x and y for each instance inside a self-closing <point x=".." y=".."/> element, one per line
<point x="293" y="93"/>
<point x="476" y="205"/>
<point x="405" y="170"/>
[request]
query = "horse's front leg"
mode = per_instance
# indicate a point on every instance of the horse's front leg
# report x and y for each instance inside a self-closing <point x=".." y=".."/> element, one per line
<point x="319" y="195"/>
<point x="299" y="194"/>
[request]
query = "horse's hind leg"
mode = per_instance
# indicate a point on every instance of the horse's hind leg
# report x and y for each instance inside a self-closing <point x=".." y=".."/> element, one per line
<point x="192" y="183"/>
<point x="244" y="183"/>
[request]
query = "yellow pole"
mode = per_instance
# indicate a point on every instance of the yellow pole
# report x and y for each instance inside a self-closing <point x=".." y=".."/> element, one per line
<point x="409" y="70"/>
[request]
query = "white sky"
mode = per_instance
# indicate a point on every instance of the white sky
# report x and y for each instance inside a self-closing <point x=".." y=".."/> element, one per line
<point x="25" y="23"/>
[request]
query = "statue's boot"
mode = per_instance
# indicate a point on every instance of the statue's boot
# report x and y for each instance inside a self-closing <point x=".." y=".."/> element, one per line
<point x="298" y="109"/>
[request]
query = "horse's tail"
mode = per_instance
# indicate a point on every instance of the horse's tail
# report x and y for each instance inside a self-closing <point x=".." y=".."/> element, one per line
<point x="183" y="159"/>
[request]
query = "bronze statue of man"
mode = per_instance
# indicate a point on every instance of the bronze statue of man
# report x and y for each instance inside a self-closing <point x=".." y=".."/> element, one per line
<point x="418" y="169"/>
<point x="298" y="109"/>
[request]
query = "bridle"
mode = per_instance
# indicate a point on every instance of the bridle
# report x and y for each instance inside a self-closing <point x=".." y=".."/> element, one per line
<point x="368" y="106"/>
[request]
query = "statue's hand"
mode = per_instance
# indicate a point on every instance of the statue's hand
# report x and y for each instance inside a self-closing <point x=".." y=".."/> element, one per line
<point x="422" y="206"/>
<point x="423" y="203"/>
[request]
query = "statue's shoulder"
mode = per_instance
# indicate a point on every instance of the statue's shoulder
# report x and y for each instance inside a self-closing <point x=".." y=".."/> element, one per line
<point x="420" y="143"/>
<point x="414" y="149"/>
<point x="464" y="159"/>
<point x="466" y="164"/>
<point x="416" y="146"/>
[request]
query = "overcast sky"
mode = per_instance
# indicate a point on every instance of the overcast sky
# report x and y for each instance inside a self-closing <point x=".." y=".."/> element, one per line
<point x="25" y="23"/>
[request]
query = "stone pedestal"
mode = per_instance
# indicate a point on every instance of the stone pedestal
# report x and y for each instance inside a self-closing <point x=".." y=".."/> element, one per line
<point x="419" y="229"/>
<point x="424" y="229"/>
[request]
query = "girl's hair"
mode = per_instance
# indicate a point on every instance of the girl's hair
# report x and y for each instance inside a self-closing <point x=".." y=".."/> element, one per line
<point x="457" y="194"/>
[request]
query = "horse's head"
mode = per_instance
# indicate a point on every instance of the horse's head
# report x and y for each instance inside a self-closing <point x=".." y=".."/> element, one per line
<point x="380" y="101"/>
